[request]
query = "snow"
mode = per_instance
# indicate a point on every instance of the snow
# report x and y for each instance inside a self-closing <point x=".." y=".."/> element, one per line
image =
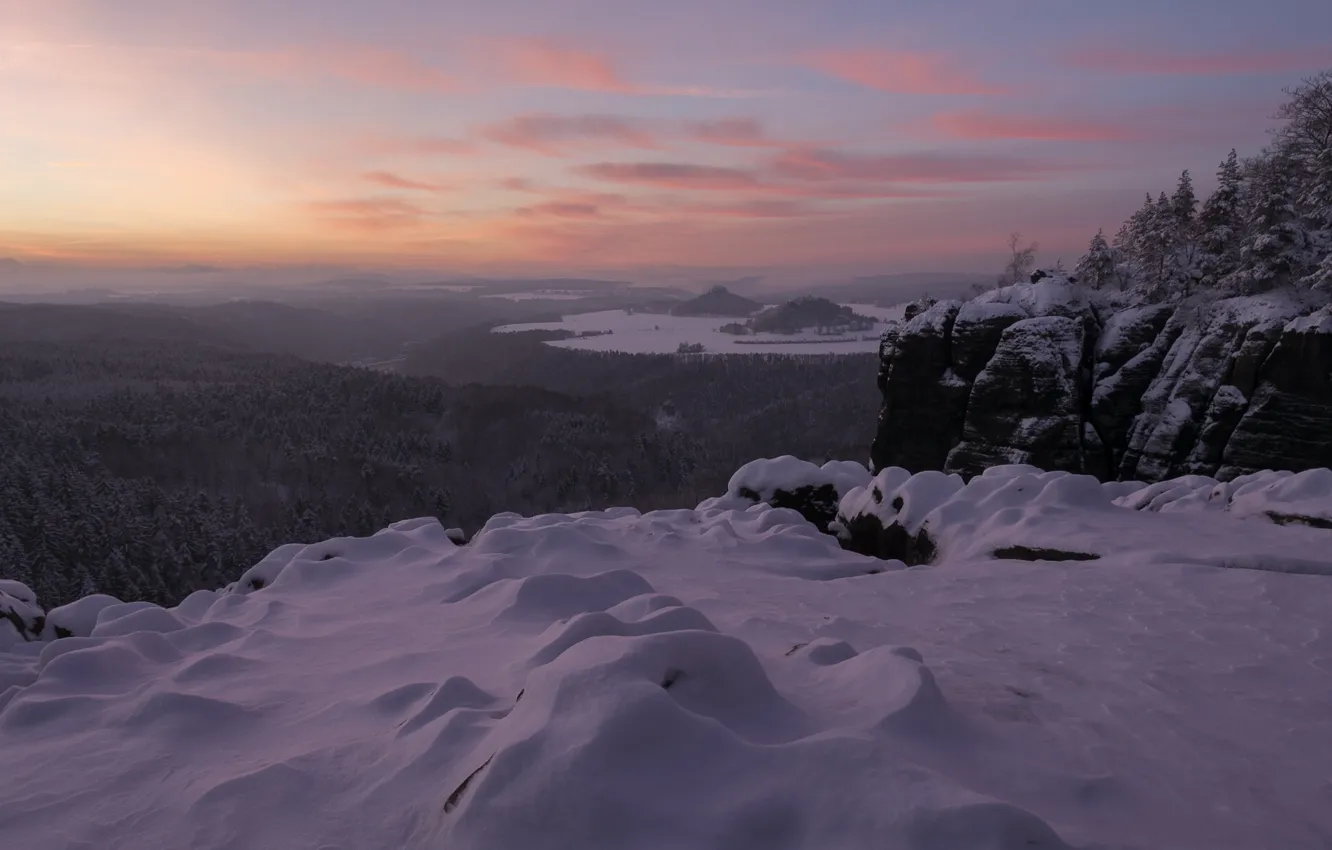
<point x="1304" y="497"/>
<point x="79" y="618"/>
<point x="1318" y="322"/>
<point x="977" y="311"/>
<point x="1052" y="295"/>
<point x="660" y="333"/>
<point x="765" y="477"/>
<point x="711" y="679"/>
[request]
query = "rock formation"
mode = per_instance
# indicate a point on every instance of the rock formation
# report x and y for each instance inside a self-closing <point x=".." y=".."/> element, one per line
<point x="1048" y="374"/>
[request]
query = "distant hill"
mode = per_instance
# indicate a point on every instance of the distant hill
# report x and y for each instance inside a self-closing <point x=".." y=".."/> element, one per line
<point x="718" y="301"/>
<point x="810" y="312"/>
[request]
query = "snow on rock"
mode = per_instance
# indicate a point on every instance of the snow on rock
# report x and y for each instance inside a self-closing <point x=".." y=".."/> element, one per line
<point x="787" y="482"/>
<point x="709" y="678"/>
<point x="78" y="618"/>
<point x="1024" y="513"/>
<point x="1286" y="498"/>
<point x="1150" y="392"/>
<point x="21" y="619"/>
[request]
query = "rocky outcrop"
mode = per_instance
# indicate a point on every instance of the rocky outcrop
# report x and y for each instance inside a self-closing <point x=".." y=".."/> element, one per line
<point x="1041" y="374"/>
<point x="1287" y="423"/>
<point x="924" y="401"/>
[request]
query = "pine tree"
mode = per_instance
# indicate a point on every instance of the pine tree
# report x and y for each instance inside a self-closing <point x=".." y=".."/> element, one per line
<point x="1132" y="240"/>
<point x="1184" y="204"/>
<point x="1317" y="204"/>
<point x="1097" y="267"/>
<point x="1218" y="225"/>
<point x="1276" y="246"/>
<point x="1320" y="280"/>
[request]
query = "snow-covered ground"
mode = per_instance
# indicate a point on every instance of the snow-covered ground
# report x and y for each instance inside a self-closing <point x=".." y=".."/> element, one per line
<point x="658" y="333"/>
<point x="704" y="679"/>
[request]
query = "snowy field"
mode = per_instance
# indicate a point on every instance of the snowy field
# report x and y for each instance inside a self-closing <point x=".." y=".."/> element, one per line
<point x="711" y="678"/>
<point x="656" y="333"/>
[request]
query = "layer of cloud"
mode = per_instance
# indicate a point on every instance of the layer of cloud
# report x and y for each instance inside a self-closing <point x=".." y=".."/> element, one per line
<point x="671" y="175"/>
<point x="370" y="215"/>
<point x="553" y="64"/>
<point x="559" y="135"/>
<point x="978" y="125"/>
<point x="367" y="66"/>
<point x="818" y="164"/>
<point x="390" y="180"/>
<point x="565" y="135"/>
<point x="423" y="146"/>
<point x="1119" y="60"/>
<point x="900" y="72"/>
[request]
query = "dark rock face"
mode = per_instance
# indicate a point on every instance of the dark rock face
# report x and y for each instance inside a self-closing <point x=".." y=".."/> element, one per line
<point x="924" y="403"/>
<point x="816" y="504"/>
<point x="1288" y="421"/>
<point x="1036" y="374"/>
<point x="866" y="534"/>
<point x="1025" y="405"/>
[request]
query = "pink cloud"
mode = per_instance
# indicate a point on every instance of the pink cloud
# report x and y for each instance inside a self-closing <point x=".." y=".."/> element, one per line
<point x="561" y="210"/>
<point x="554" y="135"/>
<point x="562" y="135"/>
<point x="925" y="167"/>
<point x="977" y="125"/>
<point x="543" y="62"/>
<point x="899" y="72"/>
<point x="1128" y="61"/>
<point x="368" y="214"/>
<point x="378" y="145"/>
<point x="368" y="66"/>
<point x="396" y="181"/>
<point x="671" y="175"/>
<point x="733" y="132"/>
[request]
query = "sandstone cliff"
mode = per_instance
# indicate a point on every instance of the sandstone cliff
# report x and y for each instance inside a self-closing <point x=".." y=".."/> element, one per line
<point x="1046" y="374"/>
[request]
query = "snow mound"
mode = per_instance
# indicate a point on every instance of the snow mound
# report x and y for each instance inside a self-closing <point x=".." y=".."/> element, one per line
<point x="1303" y="498"/>
<point x="787" y="482"/>
<point x="761" y="480"/>
<point x="401" y="691"/>
<point x="1022" y="512"/>
<point x="701" y="678"/>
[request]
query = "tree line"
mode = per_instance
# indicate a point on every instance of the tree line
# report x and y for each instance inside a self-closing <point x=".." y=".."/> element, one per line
<point x="149" y="469"/>
<point x="1267" y="225"/>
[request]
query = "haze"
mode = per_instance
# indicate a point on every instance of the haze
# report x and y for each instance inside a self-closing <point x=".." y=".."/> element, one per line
<point x="628" y="137"/>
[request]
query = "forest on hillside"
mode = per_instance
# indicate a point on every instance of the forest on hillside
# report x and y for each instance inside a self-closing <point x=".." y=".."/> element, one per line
<point x="150" y="468"/>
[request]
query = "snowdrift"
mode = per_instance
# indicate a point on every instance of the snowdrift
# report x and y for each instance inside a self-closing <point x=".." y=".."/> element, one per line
<point x="710" y="678"/>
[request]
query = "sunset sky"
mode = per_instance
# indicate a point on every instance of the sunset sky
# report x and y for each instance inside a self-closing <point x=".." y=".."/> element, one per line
<point x="583" y="134"/>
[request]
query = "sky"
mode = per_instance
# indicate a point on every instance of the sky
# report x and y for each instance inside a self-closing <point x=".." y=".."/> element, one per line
<point x="560" y="135"/>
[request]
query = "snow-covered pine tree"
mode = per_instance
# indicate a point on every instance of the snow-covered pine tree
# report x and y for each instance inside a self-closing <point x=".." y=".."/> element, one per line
<point x="1131" y="241"/>
<point x="1183" y="270"/>
<point x="1184" y="203"/>
<point x="1097" y="267"/>
<point x="1156" y="250"/>
<point x="1320" y="279"/>
<point x="1316" y="203"/>
<point x="1218" y="225"/>
<point x="1276" y="246"/>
